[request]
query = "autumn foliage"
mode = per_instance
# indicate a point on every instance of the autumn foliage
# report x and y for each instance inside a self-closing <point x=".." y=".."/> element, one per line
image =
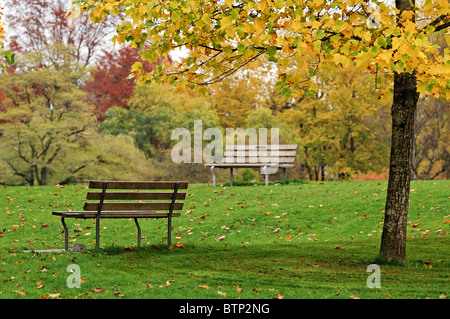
<point x="111" y="84"/>
<point x="2" y="30"/>
<point x="340" y="124"/>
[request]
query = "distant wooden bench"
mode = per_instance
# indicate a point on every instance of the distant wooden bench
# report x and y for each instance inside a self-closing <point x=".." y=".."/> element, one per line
<point x="131" y="202"/>
<point x="253" y="156"/>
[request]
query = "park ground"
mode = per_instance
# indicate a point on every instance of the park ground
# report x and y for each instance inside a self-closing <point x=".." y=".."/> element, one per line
<point x="298" y="241"/>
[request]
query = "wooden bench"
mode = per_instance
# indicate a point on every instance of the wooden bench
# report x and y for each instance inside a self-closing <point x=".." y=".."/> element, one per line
<point x="266" y="157"/>
<point x="130" y="202"/>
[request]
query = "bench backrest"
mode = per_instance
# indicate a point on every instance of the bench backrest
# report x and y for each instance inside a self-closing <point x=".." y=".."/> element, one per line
<point x="128" y="196"/>
<point x="281" y="154"/>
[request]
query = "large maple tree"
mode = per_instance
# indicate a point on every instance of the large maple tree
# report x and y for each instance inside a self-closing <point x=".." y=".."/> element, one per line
<point x="223" y="36"/>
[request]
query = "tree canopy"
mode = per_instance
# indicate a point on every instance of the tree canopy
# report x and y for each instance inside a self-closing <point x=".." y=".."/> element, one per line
<point x="223" y="36"/>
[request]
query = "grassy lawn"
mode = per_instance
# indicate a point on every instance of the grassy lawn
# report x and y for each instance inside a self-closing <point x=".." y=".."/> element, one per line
<point x="303" y="240"/>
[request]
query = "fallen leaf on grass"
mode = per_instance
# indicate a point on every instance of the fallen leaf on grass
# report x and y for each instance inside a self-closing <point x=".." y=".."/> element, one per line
<point x="337" y="247"/>
<point x="239" y="289"/>
<point x="223" y="294"/>
<point x="220" y="238"/>
<point x="98" y="289"/>
<point x="167" y="284"/>
<point x="203" y="286"/>
<point x="179" y="245"/>
<point x="22" y="293"/>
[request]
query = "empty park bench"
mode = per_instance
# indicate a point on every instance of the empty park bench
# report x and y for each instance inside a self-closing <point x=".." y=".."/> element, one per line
<point x="127" y="200"/>
<point x="269" y="158"/>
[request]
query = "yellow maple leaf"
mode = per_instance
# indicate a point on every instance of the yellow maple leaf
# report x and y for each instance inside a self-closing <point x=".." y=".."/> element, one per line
<point x="341" y="59"/>
<point x="384" y="58"/>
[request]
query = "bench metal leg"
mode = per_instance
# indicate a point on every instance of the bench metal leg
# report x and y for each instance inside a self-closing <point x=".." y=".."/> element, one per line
<point x="169" y="217"/>
<point x="284" y="175"/>
<point x="139" y="231"/>
<point x="266" y="175"/>
<point x="169" y="231"/>
<point x="99" y="210"/>
<point x="231" y="176"/>
<point x="66" y="235"/>
<point x="97" y="233"/>
<point x="213" y="176"/>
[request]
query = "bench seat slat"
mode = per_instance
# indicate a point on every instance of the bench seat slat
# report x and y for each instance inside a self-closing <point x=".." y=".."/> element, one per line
<point x="256" y="160"/>
<point x="138" y="185"/>
<point x="241" y="165"/>
<point x="114" y="214"/>
<point x="280" y="147"/>
<point x="132" y="206"/>
<point x="135" y="196"/>
<point x="255" y="153"/>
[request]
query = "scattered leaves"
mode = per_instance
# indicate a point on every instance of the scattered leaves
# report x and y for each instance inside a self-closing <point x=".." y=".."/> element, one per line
<point x="220" y="238"/>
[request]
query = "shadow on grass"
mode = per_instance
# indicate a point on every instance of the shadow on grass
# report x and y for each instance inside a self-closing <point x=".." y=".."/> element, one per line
<point x="294" y="181"/>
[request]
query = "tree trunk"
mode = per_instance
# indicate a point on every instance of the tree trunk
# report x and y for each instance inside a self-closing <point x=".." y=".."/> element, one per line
<point x="393" y="241"/>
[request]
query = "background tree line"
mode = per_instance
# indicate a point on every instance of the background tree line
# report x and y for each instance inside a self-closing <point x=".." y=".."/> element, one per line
<point x="70" y="112"/>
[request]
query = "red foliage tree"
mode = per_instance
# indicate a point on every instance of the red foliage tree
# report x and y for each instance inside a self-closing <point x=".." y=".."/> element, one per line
<point x="110" y="84"/>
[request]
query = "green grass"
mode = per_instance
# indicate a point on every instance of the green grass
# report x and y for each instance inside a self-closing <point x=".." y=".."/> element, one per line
<point x="303" y="240"/>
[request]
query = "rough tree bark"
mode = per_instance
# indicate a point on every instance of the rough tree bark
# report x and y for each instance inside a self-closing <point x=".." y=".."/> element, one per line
<point x="393" y="241"/>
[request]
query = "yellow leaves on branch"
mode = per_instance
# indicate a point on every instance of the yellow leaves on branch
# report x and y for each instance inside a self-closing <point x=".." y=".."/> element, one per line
<point x="2" y="30"/>
<point x="222" y="36"/>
